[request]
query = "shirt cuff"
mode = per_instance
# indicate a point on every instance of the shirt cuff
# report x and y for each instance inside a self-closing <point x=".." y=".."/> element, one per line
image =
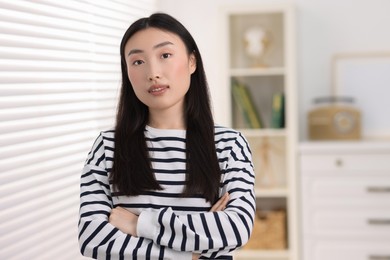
<point x="147" y="227"/>
<point x="147" y="224"/>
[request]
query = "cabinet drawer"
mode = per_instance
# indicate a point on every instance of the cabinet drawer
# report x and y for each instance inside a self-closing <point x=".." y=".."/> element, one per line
<point x="317" y="163"/>
<point x="346" y="250"/>
<point x="346" y="206"/>
<point x="336" y="189"/>
<point x="341" y="223"/>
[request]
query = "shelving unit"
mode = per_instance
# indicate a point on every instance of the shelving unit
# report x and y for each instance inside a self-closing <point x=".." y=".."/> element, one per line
<point x="273" y="148"/>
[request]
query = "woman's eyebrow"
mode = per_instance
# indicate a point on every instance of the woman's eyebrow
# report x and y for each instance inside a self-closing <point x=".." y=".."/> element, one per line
<point x="134" y="51"/>
<point x="162" y="44"/>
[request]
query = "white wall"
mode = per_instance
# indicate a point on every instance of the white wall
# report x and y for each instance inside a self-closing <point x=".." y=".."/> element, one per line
<point x="324" y="27"/>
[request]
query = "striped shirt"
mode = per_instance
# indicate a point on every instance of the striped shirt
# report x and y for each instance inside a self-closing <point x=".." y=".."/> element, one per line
<point x="169" y="225"/>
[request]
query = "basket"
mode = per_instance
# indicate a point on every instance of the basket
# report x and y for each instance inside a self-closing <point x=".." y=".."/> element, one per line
<point x="269" y="231"/>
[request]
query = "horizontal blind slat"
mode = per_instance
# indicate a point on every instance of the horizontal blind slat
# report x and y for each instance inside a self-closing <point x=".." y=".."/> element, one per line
<point x="49" y="121"/>
<point x="60" y="98"/>
<point x="42" y="76"/>
<point x="30" y="112"/>
<point x="54" y="66"/>
<point x="43" y="55"/>
<point x="35" y="42"/>
<point x="43" y="133"/>
<point x="26" y="89"/>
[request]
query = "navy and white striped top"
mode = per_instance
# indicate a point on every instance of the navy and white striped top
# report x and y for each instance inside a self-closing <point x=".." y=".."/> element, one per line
<point x="169" y="226"/>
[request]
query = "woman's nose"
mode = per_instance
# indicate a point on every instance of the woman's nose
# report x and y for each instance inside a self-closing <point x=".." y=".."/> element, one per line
<point x="154" y="72"/>
<point x="151" y="78"/>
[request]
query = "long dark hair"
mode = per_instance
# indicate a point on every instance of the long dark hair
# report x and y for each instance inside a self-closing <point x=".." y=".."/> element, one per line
<point x="132" y="172"/>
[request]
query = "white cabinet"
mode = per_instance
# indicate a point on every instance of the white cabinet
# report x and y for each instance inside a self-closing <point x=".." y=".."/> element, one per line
<point x="345" y="200"/>
<point x="267" y="74"/>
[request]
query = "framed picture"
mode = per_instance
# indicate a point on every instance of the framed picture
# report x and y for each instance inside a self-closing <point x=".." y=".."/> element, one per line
<point x="366" y="78"/>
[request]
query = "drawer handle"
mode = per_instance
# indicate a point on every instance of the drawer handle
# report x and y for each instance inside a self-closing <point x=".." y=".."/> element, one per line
<point x="375" y="221"/>
<point x="379" y="257"/>
<point x="376" y="189"/>
<point x="339" y="162"/>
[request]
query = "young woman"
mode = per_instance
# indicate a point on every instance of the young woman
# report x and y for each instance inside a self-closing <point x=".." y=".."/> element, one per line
<point x="166" y="183"/>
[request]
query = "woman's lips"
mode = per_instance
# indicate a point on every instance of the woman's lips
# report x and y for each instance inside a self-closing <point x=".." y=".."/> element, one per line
<point x="158" y="89"/>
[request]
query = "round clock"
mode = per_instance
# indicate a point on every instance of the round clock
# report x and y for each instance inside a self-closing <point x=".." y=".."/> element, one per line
<point x="344" y="122"/>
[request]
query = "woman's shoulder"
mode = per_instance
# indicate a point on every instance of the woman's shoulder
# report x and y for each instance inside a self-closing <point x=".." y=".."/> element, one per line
<point x="225" y="131"/>
<point x="110" y="133"/>
<point x="105" y="138"/>
<point x="227" y="135"/>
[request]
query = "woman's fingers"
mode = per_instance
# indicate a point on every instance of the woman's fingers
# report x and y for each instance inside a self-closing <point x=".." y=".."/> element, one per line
<point x="221" y="203"/>
<point x="124" y="220"/>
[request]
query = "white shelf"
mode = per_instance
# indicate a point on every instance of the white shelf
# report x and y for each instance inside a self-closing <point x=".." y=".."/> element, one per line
<point x="263" y="132"/>
<point x="271" y="192"/>
<point x="271" y="71"/>
<point x="262" y="254"/>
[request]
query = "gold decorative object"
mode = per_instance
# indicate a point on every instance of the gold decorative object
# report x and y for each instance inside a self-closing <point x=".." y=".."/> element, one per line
<point x="266" y="150"/>
<point x="334" y="120"/>
<point x="256" y="42"/>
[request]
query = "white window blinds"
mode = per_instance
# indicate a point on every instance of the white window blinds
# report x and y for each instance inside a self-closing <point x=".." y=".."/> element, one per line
<point x="59" y="76"/>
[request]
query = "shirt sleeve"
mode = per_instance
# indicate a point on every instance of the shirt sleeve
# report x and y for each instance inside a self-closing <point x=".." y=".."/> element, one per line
<point x="97" y="237"/>
<point x="212" y="234"/>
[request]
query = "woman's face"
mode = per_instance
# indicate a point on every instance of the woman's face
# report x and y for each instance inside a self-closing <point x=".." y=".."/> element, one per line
<point x="159" y="68"/>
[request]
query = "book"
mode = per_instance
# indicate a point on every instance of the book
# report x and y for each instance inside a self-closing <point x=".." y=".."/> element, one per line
<point x="237" y="96"/>
<point x="278" y="113"/>
<point x="243" y="98"/>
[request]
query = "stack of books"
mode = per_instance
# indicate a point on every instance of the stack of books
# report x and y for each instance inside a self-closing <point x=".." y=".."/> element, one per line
<point x="250" y="112"/>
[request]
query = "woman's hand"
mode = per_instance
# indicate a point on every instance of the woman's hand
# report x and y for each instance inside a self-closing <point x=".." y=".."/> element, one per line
<point x="124" y="220"/>
<point x="221" y="203"/>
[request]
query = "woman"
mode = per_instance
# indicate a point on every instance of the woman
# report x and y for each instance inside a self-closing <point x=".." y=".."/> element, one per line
<point x="167" y="183"/>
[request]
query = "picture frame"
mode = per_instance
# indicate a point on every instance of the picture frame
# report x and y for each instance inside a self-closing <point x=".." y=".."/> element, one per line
<point x="365" y="77"/>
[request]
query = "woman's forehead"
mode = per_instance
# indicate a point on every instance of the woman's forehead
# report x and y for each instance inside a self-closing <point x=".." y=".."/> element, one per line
<point x="152" y="38"/>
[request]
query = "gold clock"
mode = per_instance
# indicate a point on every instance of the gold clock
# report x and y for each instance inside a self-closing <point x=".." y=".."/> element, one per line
<point x="334" y="121"/>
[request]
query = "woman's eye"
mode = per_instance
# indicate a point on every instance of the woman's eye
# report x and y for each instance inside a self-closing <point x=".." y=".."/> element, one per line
<point x="166" y="55"/>
<point x="137" y="62"/>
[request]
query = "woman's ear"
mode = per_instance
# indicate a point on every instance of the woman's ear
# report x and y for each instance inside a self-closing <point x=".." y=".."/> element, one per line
<point x="192" y="62"/>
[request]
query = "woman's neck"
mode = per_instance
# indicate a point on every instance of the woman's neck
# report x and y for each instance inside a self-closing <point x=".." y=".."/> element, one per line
<point x="166" y="120"/>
